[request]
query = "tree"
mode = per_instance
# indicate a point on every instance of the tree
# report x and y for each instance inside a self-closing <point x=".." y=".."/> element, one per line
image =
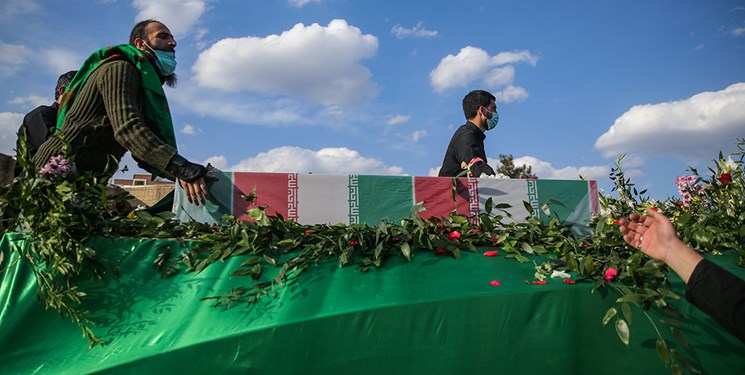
<point x="507" y="168"/>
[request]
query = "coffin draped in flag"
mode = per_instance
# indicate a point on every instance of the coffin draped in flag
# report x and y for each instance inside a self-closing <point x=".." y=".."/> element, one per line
<point x="369" y="199"/>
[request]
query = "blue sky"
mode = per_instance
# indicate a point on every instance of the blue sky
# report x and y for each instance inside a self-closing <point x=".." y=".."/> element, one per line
<point x="374" y="87"/>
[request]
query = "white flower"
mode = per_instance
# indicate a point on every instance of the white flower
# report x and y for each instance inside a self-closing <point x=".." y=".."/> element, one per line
<point x="561" y="274"/>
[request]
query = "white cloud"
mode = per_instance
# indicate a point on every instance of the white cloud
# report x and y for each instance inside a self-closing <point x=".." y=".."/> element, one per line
<point x="178" y="15"/>
<point x="511" y="94"/>
<point x="417" y="135"/>
<point x="398" y="119"/>
<point x="9" y="124"/>
<point x="546" y="170"/>
<point x="694" y="128"/>
<point x="219" y="162"/>
<point x="302" y="3"/>
<point x="33" y="101"/>
<point x="338" y="160"/>
<point x="61" y="60"/>
<point x="417" y="31"/>
<point x="12" y="59"/>
<point x="474" y="64"/>
<point x="738" y="31"/>
<point x="319" y="63"/>
<point x="189" y="129"/>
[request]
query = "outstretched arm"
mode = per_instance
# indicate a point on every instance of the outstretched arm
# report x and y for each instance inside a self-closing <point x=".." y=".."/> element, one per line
<point x="655" y="235"/>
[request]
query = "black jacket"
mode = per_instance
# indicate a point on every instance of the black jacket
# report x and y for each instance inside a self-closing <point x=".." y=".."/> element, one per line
<point x="467" y="143"/>
<point x="719" y="294"/>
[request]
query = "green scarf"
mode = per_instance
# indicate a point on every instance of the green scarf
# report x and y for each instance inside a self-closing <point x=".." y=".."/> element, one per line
<point x="157" y="114"/>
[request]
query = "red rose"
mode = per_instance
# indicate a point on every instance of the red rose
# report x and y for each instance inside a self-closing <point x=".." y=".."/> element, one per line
<point x="725" y="177"/>
<point x="354" y="242"/>
<point x="610" y="274"/>
<point x="475" y="231"/>
<point x="308" y="231"/>
<point x="454" y="235"/>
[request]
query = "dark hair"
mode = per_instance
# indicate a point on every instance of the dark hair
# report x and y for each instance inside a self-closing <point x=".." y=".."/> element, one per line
<point x="139" y="30"/>
<point x="475" y="99"/>
<point x="62" y="83"/>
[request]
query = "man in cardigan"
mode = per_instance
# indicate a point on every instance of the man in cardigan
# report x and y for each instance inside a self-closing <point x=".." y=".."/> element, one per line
<point x="116" y="104"/>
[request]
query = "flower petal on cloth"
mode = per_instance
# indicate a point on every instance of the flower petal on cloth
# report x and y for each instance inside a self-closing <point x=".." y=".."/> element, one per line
<point x="561" y="274"/>
<point x="495" y="283"/>
<point x="491" y="253"/>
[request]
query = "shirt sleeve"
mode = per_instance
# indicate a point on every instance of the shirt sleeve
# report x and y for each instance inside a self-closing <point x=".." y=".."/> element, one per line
<point x="720" y="294"/>
<point x="120" y="87"/>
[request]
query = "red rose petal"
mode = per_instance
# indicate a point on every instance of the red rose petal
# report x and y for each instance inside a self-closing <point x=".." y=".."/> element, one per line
<point x="540" y="282"/>
<point x="440" y="252"/>
<point x="491" y="253"/>
<point x="495" y="283"/>
<point x="569" y="281"/>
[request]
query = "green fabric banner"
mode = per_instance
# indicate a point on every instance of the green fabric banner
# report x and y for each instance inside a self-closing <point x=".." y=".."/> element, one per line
<point x="435" y="315"/>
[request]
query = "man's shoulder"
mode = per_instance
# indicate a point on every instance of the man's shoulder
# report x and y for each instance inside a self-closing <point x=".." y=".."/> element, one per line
<point x="118" y="67"/>
<point x="41" y="110"/>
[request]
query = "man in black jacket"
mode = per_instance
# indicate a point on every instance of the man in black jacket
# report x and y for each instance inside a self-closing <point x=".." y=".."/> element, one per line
<point x="38" y="124"/>
<point x="467" y="144"/>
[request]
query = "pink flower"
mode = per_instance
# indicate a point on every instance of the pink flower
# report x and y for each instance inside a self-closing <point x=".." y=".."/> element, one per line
<point x="540" y="282"/>
<point x="491" y="253"/>
<point x="454" y="235"/>
<point x="495" y="283"/>
<point x="440" y="252"/>
<point x="610" y="274"/>
<point x="57" y="166"/>
<point x="569" y="281"/>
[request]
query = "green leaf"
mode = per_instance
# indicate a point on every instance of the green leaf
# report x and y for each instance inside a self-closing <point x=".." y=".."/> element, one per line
<point x="626" y="308"/>
<point x="527" y="248"/>
<point x="630" y="298"/>
<point x="663" y="352"/>
<point x="406" y="251"/>
<point x="609" y="315"/>
<point x="528" y="207"/>
<point x="684" y="362"/>
<point x="679" y="336"/>
<point x="270" y="260"/>
<point x="622" y="329"/>
<point x="488" y="205"/>
<point x="251" y="261"/>
<point x="241" y="272"/>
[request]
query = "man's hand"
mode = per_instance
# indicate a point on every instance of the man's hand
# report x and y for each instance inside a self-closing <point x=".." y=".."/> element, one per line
<point x="196" y="191"/>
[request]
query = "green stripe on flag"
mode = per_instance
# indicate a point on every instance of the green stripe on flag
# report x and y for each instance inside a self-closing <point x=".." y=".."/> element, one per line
<point x="384" y="197"/>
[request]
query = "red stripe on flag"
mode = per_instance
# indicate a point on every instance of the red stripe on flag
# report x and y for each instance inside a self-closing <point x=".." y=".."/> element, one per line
<point x="437" y="194"/>
<point x="271" y="191"/>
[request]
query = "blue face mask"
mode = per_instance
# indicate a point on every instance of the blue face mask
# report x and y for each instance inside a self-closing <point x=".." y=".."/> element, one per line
<point x="165" y="60"/>
<point x="493" y="121"/>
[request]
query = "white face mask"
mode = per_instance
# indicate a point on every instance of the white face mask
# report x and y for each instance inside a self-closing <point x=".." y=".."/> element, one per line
<point x="165" y="60"/>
